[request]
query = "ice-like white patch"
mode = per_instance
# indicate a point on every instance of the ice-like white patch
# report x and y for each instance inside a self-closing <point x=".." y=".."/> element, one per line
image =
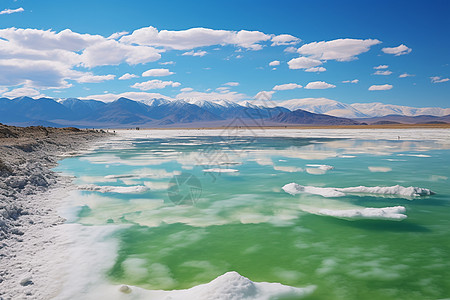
<point x="289" y="169"/>
<point x="138" y="189"/>
<point x="385" y="213"/>
<point x="438" y="177"/>
<point x="379" y="169"/>
<point x="294" y="188"/>
<point x="321" y="167"/>
<point x="414" y="155"/>
<point x="219" y="170"/>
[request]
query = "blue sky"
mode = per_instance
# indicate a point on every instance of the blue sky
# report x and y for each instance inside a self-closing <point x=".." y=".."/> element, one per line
<point x="192" y="49"/>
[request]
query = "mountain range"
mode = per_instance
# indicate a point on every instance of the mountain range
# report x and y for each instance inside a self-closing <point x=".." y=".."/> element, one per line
<point x="123" y="112"/>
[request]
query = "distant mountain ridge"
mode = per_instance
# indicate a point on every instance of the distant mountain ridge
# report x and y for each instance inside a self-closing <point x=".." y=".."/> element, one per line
<point x="152" y="113"/>
<point x="124" y="112"/>
<point x="359" y="110"/>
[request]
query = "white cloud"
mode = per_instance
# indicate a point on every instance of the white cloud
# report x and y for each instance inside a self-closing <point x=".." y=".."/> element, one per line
<point x="383" y="87"/>
<point x="187" y="89"/>
<point x="11" y="11"/>
<point x="117" y="35"/>
<point x="290" y="50"/>
<point x="381" y="67"/>
<point x="274" y="63"/>
<point x="399" y="50"/>
<point x="340" y="49"/>
<point x="23" y="91"/>
<point x="316" y="69"/>
<point x="128" y="76"/>
<point x="287" y="86"/>
<point x="193" y="95"/>
<point x="154" y="84"/>
<point x="438" y="79"/>
<point x="167" y="63"/>
<point x="385" y="73"/>
<point x="111" y="52"/>
<point x="303" y="63"/>
<point x="109" y="97"/>
<point x="91" y="78"/>
<point x="195" y="53"/>
<point x="319" y="85"/>
<point x="232" y="83"/>
<point x="157" y="73"/>
<point x="404" y="75"/>
<point x="195" y="37"/>
<point x="284" y="39"/>
<point x="264" y="95"/>
<point x="351" y="81"/>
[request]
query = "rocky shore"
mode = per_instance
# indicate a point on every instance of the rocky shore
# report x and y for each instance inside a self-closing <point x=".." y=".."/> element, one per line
<point x="27" y="213"/>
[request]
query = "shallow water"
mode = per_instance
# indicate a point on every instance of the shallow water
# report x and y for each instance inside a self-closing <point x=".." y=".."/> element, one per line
<point x="189" y="226"/>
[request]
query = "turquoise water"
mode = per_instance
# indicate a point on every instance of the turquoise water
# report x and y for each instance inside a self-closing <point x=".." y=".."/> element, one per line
<point x="191" y="226"/>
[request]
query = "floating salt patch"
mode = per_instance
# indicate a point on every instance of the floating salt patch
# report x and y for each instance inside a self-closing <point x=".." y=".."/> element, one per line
<point x="379" y="169"/>
<point x="138" y="189"/>
<point x="321" y="167"/>
<point x="385" y="213"/>
<point x="294" y="188"/>
<point x="219" y="170"/>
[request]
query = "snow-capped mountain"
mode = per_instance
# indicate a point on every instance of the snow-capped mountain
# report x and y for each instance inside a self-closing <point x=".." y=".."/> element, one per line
<point x="359" y="110"/>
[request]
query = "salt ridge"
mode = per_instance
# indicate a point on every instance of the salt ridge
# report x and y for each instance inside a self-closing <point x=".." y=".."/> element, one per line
<point x="138" y="189"/>
<point x="410" y="192"/>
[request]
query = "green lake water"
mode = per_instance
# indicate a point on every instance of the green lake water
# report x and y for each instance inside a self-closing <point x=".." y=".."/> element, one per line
<point x="191" y="226"/>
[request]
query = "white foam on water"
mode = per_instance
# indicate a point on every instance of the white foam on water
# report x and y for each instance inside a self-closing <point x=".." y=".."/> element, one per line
<point x="380" y="169"/>
<point x="138" y="189"/>
<point x="409" y="192"/>
<point x="219" y="170"/>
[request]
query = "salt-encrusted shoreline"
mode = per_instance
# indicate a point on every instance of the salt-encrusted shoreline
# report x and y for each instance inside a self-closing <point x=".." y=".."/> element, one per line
<point x="28" y="212"/>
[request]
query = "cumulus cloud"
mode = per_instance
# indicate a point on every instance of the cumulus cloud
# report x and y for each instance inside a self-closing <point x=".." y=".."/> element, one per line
<point x="167" y="63"/>
<point x="284" y="39"/>
<point x="47" y="59"/>
<point x="109" y="97"/>
<point x="340" y="49"/>
<point x="438" y="79"/>
<point x="351" y="81"/>
<point x="385" y="73"/>
<point x="195" y="37"/>
<point x="154" y="84"/>
<point x="404" y="75"/>
<point x="117" y="35"/>
<point x="23" y="91"/>
<point x="382" y="87"/>
<point x="287" y="86"/>
<point x="195" y="53"/>
<point x="232" y="83"/>
<point x="316" y="69"/>
<point x="399" y="50"/>
<point x="319" y="85"/>
<point x="264" y="95"/>
<point x="128" y="76"/>
<point x="274" y="63"/>
<point x="91" y="78"/>
<point x="303" y="63"/>
<point x="11" y="11"/>
<point x="157" y="73"/>
<point x="381" y="67"/>
<point x="187" y="89"/>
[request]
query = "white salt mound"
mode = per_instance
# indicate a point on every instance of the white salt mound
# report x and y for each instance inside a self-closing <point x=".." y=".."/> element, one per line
<point x="321" y="167"/>
<point x="385" y="213"/>
<point x="138" y="189"/>
<point x="294" y="188"/>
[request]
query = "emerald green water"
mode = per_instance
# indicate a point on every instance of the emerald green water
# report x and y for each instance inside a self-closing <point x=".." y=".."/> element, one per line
<point x="244" y="222"/>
